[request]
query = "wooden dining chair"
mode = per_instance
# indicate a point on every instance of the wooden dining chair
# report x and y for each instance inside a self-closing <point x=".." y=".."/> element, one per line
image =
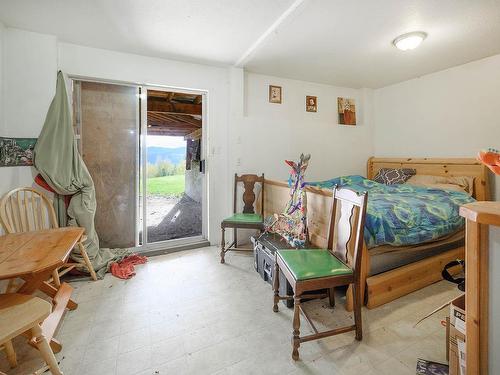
<point x="310" y="270"/>
<point x="25" y="210"/>
<point x="248" y="219"/>
<point x="21" y="313"/>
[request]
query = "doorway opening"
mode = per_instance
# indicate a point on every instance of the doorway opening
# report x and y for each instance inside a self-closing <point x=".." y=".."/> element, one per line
<point x="173" y="166"/>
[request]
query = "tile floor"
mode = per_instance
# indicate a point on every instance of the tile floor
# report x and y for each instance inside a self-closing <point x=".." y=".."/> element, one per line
<point x="185" y="313"/>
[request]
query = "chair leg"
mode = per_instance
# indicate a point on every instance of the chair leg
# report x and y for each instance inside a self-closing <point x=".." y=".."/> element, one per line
<point x="45" y="350"/>
<point x="276" y="286"/>
<point x="235" y="236"/>
<point x="357" y="312"/>
<point x="56" y="279"/>
<point x="331" y="296"/>
<point x="11" y="353"/>
<point x="296" y="329"/>
<point x="87" y="261"/>
<point x="223" y="246"/>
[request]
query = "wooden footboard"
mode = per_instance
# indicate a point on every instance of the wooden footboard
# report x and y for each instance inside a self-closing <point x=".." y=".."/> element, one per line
<point x="396" y="283"/>
<point x="390" y="285"/>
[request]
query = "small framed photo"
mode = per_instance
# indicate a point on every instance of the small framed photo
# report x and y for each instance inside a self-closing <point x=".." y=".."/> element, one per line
<point x="347" y="111"/>
<point x="311" y="103"/>
<point x="275" y="94"/>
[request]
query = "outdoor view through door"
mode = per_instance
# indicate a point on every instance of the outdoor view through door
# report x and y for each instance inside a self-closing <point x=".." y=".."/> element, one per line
<point x="174" y="182"/>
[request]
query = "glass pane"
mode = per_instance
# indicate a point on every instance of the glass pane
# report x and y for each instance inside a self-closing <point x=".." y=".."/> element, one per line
<point x="109" y="141"/>
<point x="174" y="181"/>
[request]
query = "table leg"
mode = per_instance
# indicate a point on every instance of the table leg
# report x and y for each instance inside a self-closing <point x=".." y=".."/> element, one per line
<point x="32" y="282"/>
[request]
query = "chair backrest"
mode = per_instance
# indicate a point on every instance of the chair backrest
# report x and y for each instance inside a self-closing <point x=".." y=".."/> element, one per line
<point x="25" y="209"/>
<point x="249" y="181"/>
<point x="347" y="223"/>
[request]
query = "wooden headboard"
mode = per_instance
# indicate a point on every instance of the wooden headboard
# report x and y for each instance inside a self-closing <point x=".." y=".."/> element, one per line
<point x="452" y="167"/>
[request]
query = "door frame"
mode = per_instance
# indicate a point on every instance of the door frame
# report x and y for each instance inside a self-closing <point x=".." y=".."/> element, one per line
<point x="204" y="209"/>
<point x="141" y="154"/>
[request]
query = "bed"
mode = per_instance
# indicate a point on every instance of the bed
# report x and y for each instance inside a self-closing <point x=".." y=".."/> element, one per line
<point x="391" y="271"/>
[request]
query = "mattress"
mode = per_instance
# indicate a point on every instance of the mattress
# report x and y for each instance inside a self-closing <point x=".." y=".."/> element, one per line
<point x="385" y="258"/>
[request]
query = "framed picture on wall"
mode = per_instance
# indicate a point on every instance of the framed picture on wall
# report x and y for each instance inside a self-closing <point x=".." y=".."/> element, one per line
<point x="311" y="103"/>
<point x="15" y="152"/>
<point x="275" y="94"/>
<point x="347" y="111"/>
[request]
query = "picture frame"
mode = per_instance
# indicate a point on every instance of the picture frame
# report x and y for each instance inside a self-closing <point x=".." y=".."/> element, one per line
<point x="16" y="152"/>
<point x="346" y="111"/>
<point x="275" y="94"/>
<point x="311" y="103"/>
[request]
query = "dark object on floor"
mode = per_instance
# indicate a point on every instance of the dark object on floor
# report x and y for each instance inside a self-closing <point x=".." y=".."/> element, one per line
<point x="246" y="220"/>
<point x="125" y="269"/>
<point x="425" y="367"/>
<point x="460" y="281"/>
<point x="312" y="269"/>
<point x="264" y="249"/>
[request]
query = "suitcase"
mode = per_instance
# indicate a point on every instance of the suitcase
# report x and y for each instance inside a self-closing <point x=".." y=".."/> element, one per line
<point x="265" y="247"/>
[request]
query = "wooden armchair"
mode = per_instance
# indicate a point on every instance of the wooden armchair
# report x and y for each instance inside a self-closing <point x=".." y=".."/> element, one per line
<point x="21" y="313"/>
<point x="25" y="210"/>
<point x="248" y="219"/>
<point x="309" y="270"/>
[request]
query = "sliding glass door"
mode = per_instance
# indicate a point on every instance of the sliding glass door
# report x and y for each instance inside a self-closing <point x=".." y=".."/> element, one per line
<point x="173" y="184"/>
<point x="144" y="149"/>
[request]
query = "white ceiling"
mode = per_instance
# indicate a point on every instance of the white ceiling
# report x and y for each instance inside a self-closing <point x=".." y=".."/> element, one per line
<point x="348" y="43"/>
<point x="345" y="43"/>
<point x="208" y="31"/>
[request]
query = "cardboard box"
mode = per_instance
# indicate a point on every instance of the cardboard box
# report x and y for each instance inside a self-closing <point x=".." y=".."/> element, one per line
<point x="457" y="336"/>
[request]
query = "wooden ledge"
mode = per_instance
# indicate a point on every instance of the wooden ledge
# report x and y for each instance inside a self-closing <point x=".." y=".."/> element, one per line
<point x="482" y="212"/>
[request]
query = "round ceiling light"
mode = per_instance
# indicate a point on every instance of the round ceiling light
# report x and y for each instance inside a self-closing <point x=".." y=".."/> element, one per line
<point x="409" y="41"/>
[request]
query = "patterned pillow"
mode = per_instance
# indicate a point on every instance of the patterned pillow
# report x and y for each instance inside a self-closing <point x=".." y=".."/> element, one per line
<point x="390" y="176"/>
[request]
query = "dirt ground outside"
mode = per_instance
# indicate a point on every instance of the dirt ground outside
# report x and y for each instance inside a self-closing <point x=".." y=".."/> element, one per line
<point x="170" y="218"/>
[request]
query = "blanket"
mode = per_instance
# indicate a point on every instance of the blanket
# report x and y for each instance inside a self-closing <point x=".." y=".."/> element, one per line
<point x="400" y="215"/>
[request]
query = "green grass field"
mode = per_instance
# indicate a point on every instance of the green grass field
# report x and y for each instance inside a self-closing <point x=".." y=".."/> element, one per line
<point x="167" y="185"/>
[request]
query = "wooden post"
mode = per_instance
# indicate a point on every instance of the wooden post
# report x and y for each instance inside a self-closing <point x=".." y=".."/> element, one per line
<point x="479" y="216"/>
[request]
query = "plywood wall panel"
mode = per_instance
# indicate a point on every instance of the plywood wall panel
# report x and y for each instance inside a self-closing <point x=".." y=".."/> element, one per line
<point x="109" y="128"/>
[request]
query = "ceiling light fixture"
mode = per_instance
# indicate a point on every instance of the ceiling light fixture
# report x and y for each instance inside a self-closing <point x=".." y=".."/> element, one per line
<point x="409" y="41"/>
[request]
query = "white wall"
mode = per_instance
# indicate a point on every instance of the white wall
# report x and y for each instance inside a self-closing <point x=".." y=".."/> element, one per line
<point x="270" y="133"/>
<point x="453" y="113"/>
<point x="29" y="68"/>
<point x="494" y="307"/>
<point x="2" y="32"/>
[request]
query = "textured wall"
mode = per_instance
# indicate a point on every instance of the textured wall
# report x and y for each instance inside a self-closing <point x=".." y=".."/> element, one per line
<point x="194" y="182"/>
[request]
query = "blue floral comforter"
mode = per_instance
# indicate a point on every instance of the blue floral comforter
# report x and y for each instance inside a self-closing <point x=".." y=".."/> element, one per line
<point x="401" y="215"/>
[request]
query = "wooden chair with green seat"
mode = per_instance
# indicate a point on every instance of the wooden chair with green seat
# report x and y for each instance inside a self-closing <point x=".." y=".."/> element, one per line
<point x="248" y="219"/>
<point x="309" y="270"/>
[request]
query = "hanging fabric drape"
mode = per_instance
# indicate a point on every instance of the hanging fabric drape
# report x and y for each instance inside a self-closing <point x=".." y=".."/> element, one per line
<point x="58" y="161"/>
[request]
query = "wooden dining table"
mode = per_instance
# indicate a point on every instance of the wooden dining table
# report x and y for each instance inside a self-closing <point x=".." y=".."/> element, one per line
<point x="32" y="256"/>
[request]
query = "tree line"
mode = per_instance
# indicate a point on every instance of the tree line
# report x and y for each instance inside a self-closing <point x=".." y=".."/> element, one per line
<point x="166" y="168"/>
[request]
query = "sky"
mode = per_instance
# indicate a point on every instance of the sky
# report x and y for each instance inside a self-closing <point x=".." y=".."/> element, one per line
<point x="165" y="141"/>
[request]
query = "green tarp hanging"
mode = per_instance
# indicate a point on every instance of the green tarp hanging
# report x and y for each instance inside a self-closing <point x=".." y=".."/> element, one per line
<point x="57" y="159"/>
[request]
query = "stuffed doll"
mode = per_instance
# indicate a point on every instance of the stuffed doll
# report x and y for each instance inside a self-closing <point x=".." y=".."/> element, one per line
<point x="292" y="223"/>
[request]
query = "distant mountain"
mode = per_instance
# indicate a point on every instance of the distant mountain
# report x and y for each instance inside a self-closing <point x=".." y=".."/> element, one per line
<point x="175" y="155"/>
